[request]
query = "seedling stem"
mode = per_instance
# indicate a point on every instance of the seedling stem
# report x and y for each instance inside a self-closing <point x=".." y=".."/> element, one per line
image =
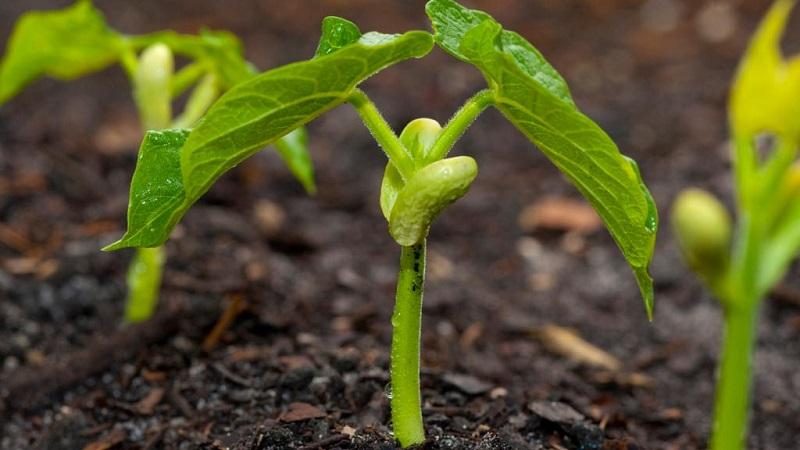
<point x="406" y="333"/>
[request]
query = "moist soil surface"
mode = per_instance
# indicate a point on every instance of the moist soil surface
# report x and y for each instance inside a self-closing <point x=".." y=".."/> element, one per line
<point x="308" y="282"/>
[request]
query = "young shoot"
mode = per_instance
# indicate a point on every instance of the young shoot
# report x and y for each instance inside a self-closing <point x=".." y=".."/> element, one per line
<point x="741" y="267"/>
<point x="177" y="167"/>
<point x="75" y="41"/>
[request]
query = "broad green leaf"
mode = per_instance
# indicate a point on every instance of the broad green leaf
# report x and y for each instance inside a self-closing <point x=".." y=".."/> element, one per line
<point x="537" y="103"/>
<point x="426" y="194"/>
<point x="63" y="44"/>
<point x="765" y="94"/>
<point x="451" y="22"/>
<point x="156" y="189"/>
<point x="293" y="148"/>
<point x="220" y="53"/>
<point x="337" y="33"/>
<point x="255" y="114"/>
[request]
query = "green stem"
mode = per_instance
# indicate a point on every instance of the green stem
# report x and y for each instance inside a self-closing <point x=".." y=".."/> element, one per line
<point x="459" y="123"/>
<point x="202" y="97"/>
<point x="144" y="283"/>
<point x="151" y="87"/>
<point x="383" y="133"/>
<point x="771" y="179"/>
<point x="741" y="307"/>
<point x="186" y="77"/>
<point x="733" y="385"/>
<point x="129" y="62"/>
<point x="745" y="165"/>
<point x="774" y="170"/>
<point x="407" y="324"/>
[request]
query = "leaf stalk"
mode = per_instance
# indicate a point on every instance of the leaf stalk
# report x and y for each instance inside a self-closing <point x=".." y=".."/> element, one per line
<point x="459" y="123"/>
<point x="383" y="133"/>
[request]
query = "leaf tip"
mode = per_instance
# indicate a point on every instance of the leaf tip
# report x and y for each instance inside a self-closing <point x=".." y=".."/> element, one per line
<point x="310" y="187"/>
<point x="114" y="246"/>
<point x="337" y="32"/>
<point x="645" y="282"/>
<point x="425" y="42"/>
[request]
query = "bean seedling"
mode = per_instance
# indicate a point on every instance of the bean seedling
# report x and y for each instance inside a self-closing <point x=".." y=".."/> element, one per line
<point x="178" y="166"/>
<point x="740" y="268"/>
<point x="76" y="41"/>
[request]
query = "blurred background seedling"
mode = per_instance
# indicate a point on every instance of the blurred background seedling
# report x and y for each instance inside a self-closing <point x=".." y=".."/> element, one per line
<point x="76" y="41"/>
<point x="741" y="266"/>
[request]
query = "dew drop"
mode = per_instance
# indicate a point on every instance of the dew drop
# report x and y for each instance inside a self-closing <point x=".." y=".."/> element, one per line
<point x="651" y="223"/>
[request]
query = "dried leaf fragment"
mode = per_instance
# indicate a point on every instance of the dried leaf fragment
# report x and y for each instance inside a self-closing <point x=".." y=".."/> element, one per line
<point x="560" y="214"/>
<point x="568" y="343"/>
<point x="299" y="412"/>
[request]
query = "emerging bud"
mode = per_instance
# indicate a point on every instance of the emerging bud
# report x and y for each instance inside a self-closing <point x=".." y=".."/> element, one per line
<point x="426" y="194"/>
<point x="703" y="228"/>
<point x="152" y="86"/>
<point x="418" y="137"/>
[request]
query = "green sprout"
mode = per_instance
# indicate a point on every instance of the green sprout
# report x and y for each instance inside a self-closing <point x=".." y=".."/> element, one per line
<point x="75" y="41"/>
<point x="177" y="166"/>
<point x="741" y="268"/>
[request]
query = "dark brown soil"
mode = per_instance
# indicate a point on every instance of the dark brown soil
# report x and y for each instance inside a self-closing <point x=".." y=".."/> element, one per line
<point x="305" y="365"/>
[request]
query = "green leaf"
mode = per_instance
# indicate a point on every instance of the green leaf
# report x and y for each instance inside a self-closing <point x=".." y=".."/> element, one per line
<point x="293" y="148"/>
<point x="220" y="53"/>
<point x="451" y="22"/>
<point x="156" y="189"/>
<point x="337" y="33"/>
<point x="537" y="102"/>
<point x="255" y="114"/>
<point x="764" y="95"/>
<point x="426" y="194"/>
<point x="63" y="44"/>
